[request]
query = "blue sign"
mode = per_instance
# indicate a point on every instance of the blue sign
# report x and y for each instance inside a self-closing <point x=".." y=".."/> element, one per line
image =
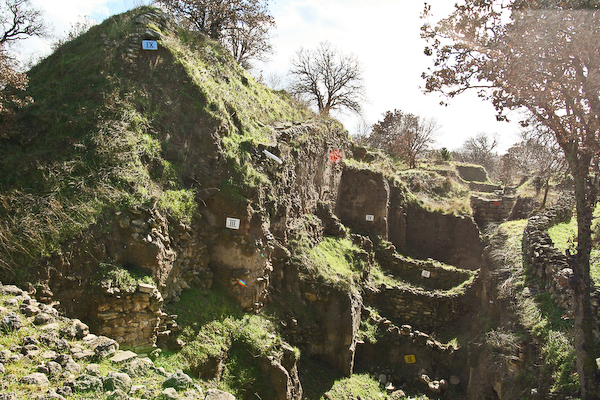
<point x="149" y="45"/>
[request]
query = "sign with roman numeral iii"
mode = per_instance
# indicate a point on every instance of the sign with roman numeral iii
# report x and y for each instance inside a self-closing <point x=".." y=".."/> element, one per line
<point x="232" y="223"/>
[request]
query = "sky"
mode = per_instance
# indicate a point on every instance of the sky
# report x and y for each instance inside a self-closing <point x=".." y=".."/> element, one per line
<point x="383" y="34"/>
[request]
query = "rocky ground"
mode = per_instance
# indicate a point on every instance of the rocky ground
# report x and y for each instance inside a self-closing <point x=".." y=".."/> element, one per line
<point x="44" y="355"/>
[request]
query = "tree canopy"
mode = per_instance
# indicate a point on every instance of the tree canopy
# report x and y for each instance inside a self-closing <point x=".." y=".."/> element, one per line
<point x="403" y="134"/>
<point x="540" y="56"/>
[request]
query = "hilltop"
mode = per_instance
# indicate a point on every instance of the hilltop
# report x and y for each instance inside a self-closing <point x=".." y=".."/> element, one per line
<point x="173" y="204"/>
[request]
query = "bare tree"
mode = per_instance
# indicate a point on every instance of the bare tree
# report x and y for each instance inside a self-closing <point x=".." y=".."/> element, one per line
<point x="19" y="20"/>
<point x="541" y="56"/>
<point x="11" y="82"/>
<point x="248" y="37"/>
<point x="329" y="79"/>
<point x="243" y="26"/>
<point x="417" y="141"/>
<point x="535" y="156"/>
<point x="403" y="134"/>
<point x="480" y="150"/>
<point x="362" y="130"/>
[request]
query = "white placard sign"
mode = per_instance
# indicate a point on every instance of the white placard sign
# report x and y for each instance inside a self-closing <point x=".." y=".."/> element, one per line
<point x="149" y="45"/>
<point x="370" y="218"/>
<point x="425" y="274"/>
<point x="233" y="223"/>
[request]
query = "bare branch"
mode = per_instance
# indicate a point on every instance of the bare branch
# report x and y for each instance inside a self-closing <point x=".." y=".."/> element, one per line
<point x="331" y="80"/>
<point x="19" y="20"/>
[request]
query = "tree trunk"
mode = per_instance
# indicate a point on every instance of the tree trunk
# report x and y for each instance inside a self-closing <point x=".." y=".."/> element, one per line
<point x="583" y="337"/>
<point x="546" y="189"/>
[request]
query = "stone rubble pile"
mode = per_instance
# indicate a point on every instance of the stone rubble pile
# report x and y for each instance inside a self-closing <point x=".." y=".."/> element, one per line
<point x="60" y="358"/>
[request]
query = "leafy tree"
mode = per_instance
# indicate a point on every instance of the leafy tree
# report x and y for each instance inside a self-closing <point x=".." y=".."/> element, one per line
<point x="243" y="26"/>
<point x="329" y="79"/>
<point x="444" y="154"/>
<point x="543" y="57"/>
<point x="403" y="134"/>
<point x="480" y="150"/>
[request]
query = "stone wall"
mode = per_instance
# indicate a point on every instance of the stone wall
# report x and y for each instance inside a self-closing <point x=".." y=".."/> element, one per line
<point x="484" y="187"/>
<point x="439" y="277"/>
<point x="452" y="239"/>
<point x="132" y="319"/>
<point x="491" y="210"/>
<point x="386" y="358"/>
<point x="425" y="310"/>
<point x="364" y="193"/>
<point x="472" y="173"/>
<point x="414" y="230"/>
<point x="548" y="263"/>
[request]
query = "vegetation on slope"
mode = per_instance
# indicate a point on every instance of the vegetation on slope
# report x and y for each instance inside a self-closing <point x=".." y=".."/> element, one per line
<point x="100" y="136"/>
<point x="542" y="331"/>
<point x="42" y="344"/>
<point x="217" y="332"/>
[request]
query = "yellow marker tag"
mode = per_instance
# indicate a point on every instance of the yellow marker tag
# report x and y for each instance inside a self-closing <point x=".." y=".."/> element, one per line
<point x="410" y="359"/>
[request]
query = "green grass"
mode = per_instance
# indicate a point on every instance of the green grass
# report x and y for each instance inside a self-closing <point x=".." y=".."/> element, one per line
<point x="437" y="192"/>
<point x="125" y="279"/>
<point x="336" y="261"/>
<point x="357" y="385"/>
<point x="216" y="330"/>
<point x="564" y="236"/>
<point x="368" y="331"/>
<point x="543" y="321"/>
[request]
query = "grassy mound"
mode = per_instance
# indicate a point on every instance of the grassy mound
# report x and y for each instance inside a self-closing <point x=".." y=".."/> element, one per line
<point x="108" y="132"/>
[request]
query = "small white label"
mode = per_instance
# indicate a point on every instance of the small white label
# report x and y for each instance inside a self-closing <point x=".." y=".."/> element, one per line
<point x="370" y="218"/>
<point x="425" y="274"/>
<point x="149" y="45"/>
<point x="233" y="223"/>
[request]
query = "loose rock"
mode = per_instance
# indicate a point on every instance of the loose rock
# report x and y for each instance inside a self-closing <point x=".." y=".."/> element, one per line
<point x="35" y="378"/>
<point x="168" y="394"/>
<point x="178" y="380"/>
<point x="117" y="381"/>
<point x="11" y="322"/>
<point x="216" y="394"/>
